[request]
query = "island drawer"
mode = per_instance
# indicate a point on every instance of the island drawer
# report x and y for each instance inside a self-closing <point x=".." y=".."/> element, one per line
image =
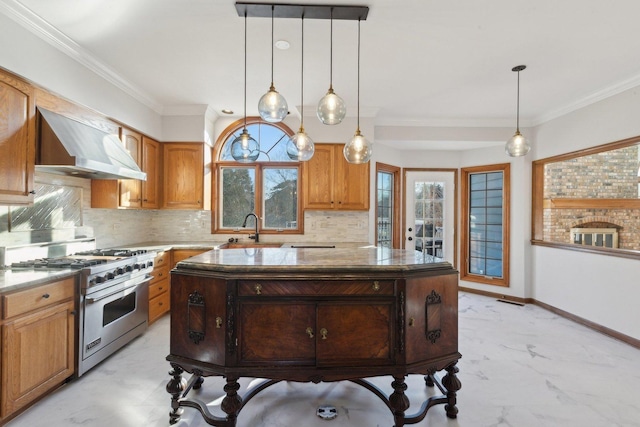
<point x="315" y="288"/>
<point x="32" y="299"/>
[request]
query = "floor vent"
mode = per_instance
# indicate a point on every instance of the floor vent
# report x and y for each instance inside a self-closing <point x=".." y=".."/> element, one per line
<point x="510" y="302"/>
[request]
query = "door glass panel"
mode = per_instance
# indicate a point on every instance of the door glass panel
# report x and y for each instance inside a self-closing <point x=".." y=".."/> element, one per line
<point x="429" y="217"/>
<point x="385" y="209"/>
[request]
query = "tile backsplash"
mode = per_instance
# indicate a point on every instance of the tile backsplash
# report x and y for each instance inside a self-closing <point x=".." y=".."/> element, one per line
<point x="115" y="227"/>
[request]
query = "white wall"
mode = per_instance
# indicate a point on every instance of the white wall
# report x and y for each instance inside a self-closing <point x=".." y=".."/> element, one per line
<point x="599" y="288"/>
<point x="24" y="54"/>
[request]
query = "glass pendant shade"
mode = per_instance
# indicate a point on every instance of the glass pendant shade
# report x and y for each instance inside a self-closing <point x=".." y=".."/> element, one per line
<point x="272" y="106"/>
<point x="358" y="150"/>
<point x="517" y="145"/>
<point x="331" y="108"/>
<point x="300" y="147"/>
<point x="244" y="148"/>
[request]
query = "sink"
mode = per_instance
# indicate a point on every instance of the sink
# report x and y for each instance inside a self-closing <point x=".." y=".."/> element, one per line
<point x="244" y="245"/>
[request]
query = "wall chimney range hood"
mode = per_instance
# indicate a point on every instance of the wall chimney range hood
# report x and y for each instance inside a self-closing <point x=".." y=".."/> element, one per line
<point x="68" y="147"/>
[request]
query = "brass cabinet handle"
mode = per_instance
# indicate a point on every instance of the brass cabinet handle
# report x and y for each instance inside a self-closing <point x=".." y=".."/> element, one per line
<point x="309" y="332"/>
<point x="323" y="333"/>
<point x="218" y="322"/>
<point x="258" y="288"/>
<point x="376" y="285"/>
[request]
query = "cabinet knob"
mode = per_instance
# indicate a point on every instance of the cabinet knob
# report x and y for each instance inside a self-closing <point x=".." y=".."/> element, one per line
<point x="309" y="332"/>
<point x="45" y="296"/>
<point x="376" y="285"/>
<point x="258" y="288"/>
<point x="218" y="322"/>
<point x="32" y="192"/>
<point x="323" y="333"/>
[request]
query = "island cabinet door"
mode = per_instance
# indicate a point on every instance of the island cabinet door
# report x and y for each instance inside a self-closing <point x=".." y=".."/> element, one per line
<point x="431" y="320"/>
<point x="280" y="333"/>
<point x="355" y="333"/>
<point x="198" y="318"/>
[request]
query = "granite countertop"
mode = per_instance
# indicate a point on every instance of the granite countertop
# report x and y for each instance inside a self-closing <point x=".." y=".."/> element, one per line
<point x="11" y="280"/>
<point x="312" y="259"/>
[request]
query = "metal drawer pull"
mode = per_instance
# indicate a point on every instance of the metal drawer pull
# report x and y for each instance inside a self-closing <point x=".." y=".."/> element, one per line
<point x="323" y="333"/>
<point x="376" y="286"/>
<point x="45" y="296"/>
<point x="310" y="332"/>
<point x="258" y="288"/>
<point x="218" y="322"/>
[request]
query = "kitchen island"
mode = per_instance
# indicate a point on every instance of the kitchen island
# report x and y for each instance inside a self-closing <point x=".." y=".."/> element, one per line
<point x="313" y="315"/>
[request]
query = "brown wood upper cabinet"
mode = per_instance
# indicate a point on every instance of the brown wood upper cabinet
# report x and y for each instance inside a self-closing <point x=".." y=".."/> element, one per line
<point x="331" y="183"/>
<point x="132" y="193"/>
<point x="17" y="140"/>
<point x="183" y="175"/>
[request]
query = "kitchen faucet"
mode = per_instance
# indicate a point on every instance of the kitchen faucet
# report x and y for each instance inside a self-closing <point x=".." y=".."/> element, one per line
<point x="244" y="224"/>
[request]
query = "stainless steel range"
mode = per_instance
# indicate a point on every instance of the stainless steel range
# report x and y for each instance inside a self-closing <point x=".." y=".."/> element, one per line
<point x="114" y="303"/>
<point x="114" y="298"/>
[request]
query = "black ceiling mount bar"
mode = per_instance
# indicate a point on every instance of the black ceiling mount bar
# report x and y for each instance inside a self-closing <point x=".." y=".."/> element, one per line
<point x="309" y="11"/>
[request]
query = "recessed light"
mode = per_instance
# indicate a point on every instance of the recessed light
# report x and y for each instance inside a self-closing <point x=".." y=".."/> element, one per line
<point x="282" y="44"/>
<point x="227" y="111"/>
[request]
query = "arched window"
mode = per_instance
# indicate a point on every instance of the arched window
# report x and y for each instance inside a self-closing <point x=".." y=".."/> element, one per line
<point x="268" y="187"/>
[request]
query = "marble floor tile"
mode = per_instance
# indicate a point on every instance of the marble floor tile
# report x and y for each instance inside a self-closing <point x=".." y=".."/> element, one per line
<point x="520" y="367"/>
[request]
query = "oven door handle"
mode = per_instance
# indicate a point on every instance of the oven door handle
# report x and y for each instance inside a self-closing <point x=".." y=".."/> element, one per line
<point x="125" y="291"/>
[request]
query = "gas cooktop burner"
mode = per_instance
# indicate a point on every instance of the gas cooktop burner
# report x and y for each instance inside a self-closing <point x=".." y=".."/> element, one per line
<point x="114" y="252"/>
<point x="77" y="263"/>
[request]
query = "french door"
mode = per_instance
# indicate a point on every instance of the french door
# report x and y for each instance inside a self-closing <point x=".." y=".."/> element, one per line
<point x="430" y="213"/>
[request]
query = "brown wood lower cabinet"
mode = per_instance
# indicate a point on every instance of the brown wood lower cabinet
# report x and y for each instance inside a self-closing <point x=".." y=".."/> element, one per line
<point x="38" y="343"/>
<point x="160" y="285"/>
<point x="312" y="326"/>
<point x="159" y="295"/>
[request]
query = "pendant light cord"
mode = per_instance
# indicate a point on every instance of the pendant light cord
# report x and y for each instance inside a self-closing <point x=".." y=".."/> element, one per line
<point x="272" y="8"/>
<point x="245" y="70"/>
<point x="358" y="123"/>
<point x="331" y="53"/>
<point x="518" y="106"/>
<point x="302" y="79"/>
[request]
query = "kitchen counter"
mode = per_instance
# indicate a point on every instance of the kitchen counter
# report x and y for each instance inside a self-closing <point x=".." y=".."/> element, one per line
<point x="313" y="315"/>
<point x="12" y="280"/>
<point x="312" y="258"/>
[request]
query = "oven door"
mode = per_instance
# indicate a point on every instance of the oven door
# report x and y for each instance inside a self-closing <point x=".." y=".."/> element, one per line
<point x="111" y="314"/>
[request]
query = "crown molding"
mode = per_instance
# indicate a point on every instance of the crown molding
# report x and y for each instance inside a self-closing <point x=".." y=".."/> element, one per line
<point x="45" y="31"/>
<point x="592" y="98"/>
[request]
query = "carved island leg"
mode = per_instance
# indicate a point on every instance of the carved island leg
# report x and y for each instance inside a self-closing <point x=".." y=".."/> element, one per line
<point x="452" y="384"/>
<point x="175" y="387"/>
<point x="398" y="401"/>
<point x="232" y="403"/>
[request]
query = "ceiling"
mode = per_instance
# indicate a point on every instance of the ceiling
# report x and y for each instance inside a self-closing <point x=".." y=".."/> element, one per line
<point x="427" y="63"/>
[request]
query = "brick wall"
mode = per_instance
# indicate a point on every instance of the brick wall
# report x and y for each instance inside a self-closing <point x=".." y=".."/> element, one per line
<point x="611" y="174"/>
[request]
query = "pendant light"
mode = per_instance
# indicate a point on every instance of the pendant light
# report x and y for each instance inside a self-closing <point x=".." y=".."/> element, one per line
<point x="272" y="106"/>
<point x="299" y="146"/>
<point x="517" y="145"/>
<point x="244" y="148"/>
<point x="331" y="108"/>
<point x="359" y="149"/>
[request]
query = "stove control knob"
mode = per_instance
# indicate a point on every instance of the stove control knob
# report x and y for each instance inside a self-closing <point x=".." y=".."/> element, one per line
<point x="109" y="276"/>
<point x="119" y="271"/>
<point x="136" y="266"/>
<point x="99" y="279"/>
<point x="129" y="268"/>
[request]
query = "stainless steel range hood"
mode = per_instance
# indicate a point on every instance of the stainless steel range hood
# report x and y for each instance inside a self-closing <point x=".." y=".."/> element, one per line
<point x="68" y="147"/>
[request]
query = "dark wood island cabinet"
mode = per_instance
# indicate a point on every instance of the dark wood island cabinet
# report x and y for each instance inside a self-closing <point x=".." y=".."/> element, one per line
<point x="313" y="315"/>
